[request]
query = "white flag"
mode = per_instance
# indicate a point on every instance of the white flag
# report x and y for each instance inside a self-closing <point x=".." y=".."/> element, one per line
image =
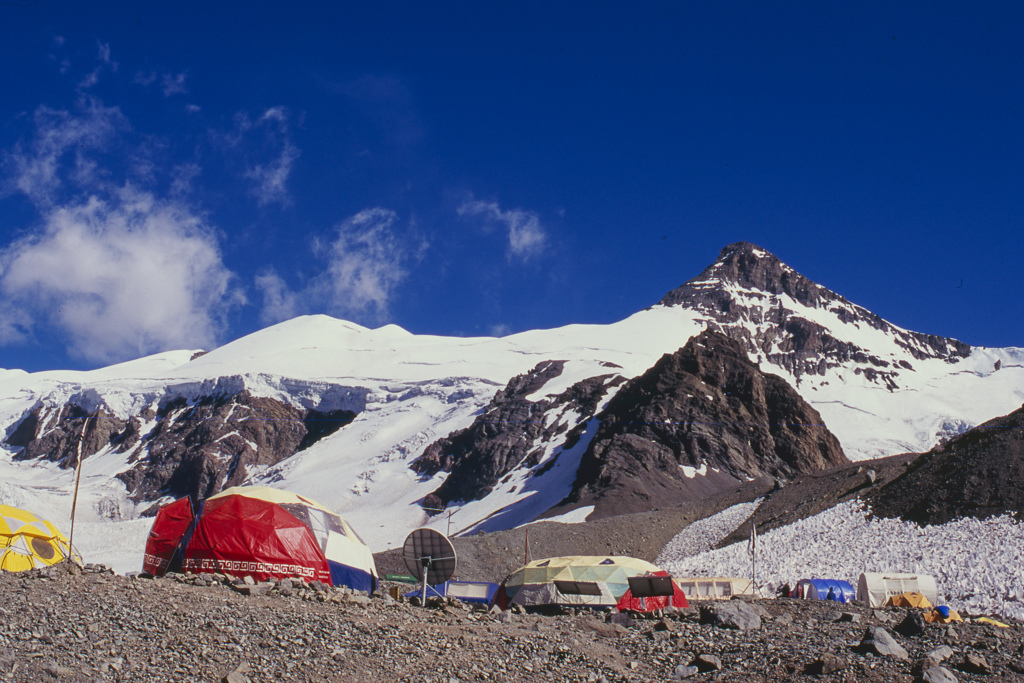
<point x="752" y="543"/>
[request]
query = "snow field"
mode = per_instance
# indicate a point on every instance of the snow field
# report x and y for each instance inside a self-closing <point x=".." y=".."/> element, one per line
<point x="701" y="535"/>
<point x="976" y="563"/>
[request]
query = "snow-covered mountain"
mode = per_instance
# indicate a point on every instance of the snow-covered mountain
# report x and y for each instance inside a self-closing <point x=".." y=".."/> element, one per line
<point x="341" y="413"/>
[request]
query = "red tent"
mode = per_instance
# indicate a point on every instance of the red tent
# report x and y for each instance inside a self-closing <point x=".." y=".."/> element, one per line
<point x="652" y="594"/>
<point x="259" y="532"/>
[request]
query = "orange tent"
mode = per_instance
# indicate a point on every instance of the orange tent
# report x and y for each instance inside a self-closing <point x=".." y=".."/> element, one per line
<point x="935" y="617"/>
<point x="909" y="599"/>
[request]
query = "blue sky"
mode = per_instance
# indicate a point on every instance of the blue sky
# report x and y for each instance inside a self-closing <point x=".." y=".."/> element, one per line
<point x="179" y="176"/>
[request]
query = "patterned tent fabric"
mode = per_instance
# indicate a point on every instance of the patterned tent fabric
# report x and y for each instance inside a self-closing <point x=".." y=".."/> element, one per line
<point x="583" y="581"/>
<point x="260" y="532"/>
<point x="27" y="542"/>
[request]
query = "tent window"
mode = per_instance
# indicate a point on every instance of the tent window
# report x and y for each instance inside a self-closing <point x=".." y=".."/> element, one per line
<point x="43" y="548"/>
<point x="544" y="563"/>
<point x="706" y="588"/>
<point x="725" y="589"/>
<point x="608" y="561"/>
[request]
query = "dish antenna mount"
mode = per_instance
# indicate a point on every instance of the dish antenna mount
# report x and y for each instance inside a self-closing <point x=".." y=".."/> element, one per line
<point x="430" y="557"/>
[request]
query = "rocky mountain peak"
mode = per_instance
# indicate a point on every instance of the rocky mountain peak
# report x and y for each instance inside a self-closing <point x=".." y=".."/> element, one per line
<point x="779" y="315"/>
<point x="752" y="267"/>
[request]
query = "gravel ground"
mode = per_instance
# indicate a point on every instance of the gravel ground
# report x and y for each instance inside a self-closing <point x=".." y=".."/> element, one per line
<point x="63" y="624"/>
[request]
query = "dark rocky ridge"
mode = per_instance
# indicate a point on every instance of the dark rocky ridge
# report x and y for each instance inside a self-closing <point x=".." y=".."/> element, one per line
<point x="706" y="404"/>
<point x="511" y="433"/>
<point x="979" y="473"/>
<point x="197" y="448"/>
<point x="803" y="347"/>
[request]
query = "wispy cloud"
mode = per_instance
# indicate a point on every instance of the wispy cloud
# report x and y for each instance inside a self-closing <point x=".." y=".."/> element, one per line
<point x="118" y="278"/>
<point x="267" y="136"/>
<point x="174" y="84"/>
<point x="526" y="236"/>
<point x="62" y="138"/>
<point x="364" y="264"/>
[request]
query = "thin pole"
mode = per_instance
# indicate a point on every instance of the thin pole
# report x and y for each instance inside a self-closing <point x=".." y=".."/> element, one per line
<point x="78" y="479"/>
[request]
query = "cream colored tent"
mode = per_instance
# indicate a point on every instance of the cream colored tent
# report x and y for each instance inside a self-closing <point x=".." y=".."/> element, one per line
<point x="576" y="581"/>
<point x="874" y="588"/>
<point x="714" y="587"/>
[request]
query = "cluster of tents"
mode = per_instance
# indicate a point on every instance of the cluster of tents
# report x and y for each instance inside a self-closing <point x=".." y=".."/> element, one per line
<point x="268" y="534"/>
<point x="877" y="589"/>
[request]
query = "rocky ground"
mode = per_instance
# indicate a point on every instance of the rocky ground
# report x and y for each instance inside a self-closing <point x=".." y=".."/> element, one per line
<point x="69" y="625"/>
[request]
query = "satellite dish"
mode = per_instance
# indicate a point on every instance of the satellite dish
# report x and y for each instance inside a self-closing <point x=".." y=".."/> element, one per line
<point x="430" y="556"/>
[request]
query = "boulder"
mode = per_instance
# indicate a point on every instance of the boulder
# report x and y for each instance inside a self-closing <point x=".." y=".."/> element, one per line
<point x="706" y="663"/>
<point x="826" y="663"/>
<point x="937" y="674"/>
<point x="975" y="664"/>
<point x="911" y="626"/>
<point x="734" y="614"/>
<point x="880" y="642"/>
<point x="682" y="672"/>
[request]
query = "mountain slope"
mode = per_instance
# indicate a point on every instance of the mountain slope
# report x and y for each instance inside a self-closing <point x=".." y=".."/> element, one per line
<point x="878" y="388"/>
<point x="701" y="420"/>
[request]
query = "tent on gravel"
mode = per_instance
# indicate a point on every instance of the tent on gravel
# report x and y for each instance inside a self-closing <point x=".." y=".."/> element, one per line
<point x="27" y="542"/>
<point x="715" y="587"/>
<point x="260" y="532"/>
<point x="656" y="591"/>
<point x="826" y="589"/>
<point x="908" y="599"/>
<point x="577" y="581"/>
<point x="874" y="588"/>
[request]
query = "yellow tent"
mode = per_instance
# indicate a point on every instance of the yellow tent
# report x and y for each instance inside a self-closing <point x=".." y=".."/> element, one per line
<point x="27" y="542"/>
<point x="908" y="599"/>
<point x="935" y="617"/>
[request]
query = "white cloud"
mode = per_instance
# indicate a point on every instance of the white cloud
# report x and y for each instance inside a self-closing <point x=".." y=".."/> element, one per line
<point x="104" y="55"/>
<point x="62" y="135"/>
<point x="174" y="84"/>
<point x="364" y="266"/>
<point x="269" y="177"/>
<point x="118" y="278"/>
<point x="526" y="236"/>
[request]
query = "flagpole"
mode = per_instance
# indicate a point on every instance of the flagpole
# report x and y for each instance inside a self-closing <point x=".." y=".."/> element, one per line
<point x="753" y="557"/>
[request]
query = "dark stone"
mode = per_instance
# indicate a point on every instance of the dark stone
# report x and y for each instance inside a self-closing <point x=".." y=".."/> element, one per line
<point x="975" y="664"/>
<point x="912" y="625"/>
<point x="826" y="663"/>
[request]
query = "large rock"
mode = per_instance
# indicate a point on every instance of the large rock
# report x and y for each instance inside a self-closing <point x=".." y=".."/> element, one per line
<point x="880" y="642"/>
<point x="938" y="674"/>
<point x="734" y="614"/>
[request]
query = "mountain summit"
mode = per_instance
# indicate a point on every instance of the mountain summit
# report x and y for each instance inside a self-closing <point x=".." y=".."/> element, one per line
<point x="753" y="297"/>
<point x="748" y="370"/>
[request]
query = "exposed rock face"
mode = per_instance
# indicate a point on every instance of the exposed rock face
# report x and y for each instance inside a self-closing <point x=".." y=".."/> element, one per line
<point x="979" y="473"/>
<point x="510" y="433"/>
<point x="749" y="285"/>
<point x="705" y="407"/>
<point x="60" y="436"/>
<point x="192" y="448"/>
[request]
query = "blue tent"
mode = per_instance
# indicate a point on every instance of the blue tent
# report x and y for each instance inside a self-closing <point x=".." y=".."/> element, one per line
<point x="467" y="591"/>
<point x="826" y="589"/>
